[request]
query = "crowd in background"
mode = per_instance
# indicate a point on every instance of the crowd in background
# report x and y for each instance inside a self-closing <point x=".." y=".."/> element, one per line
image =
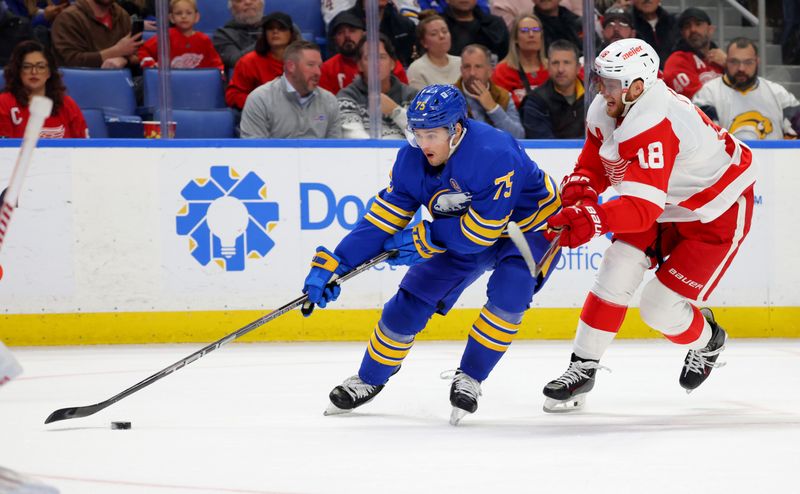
<point x="519" y="63"/>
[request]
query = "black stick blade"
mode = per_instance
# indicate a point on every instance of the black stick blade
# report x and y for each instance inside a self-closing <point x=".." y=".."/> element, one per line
<point x="74" y="413"/>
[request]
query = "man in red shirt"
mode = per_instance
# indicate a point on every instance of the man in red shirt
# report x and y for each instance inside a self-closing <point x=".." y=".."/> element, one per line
<point x="696" y="60"/>
<point x="340" y="70"/>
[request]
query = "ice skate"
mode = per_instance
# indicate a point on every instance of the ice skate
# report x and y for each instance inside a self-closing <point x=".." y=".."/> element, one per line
<point x="464" y="392"/>
<point x="698" y="363"/>
<point x="352" y="393"/>
<point x="568" y="392"/>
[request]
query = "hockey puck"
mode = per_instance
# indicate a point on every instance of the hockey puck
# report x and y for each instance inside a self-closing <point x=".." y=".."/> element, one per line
<point x="120" y="425"/>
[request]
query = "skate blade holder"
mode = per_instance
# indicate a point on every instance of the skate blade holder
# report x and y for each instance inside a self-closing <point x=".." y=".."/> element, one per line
<point x="573" y="404"/>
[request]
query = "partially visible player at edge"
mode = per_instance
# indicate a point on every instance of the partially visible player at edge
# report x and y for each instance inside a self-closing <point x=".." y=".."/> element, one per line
<point x="473" y="179"/>
<point x="685" y="205"/>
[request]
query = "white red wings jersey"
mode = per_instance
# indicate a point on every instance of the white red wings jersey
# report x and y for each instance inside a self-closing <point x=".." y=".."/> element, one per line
<point x="669" y="154"/>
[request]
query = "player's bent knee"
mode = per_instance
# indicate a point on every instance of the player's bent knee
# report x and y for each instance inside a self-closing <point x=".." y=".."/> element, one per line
<point x="620" y="273"/>
<point x="406" y="314"/>
<point x="662" y="309"/>
<point x="511" y="286"/>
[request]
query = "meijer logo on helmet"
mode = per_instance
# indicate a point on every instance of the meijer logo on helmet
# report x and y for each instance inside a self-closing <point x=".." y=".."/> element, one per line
<point x="633" y="51"/>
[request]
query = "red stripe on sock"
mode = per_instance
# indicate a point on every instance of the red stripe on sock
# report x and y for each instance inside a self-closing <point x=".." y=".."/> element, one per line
<point x="693" y="332"/>
<point x="601" y="314"/>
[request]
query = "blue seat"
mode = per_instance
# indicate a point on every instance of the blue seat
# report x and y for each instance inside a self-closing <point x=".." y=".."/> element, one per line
<point x="96" y="122"/>
<point x="146" y="35"/>
<point x="2" y="80"/>
<point x="202" y="124"/>
<point x="192" y="89"/>
<point x="111" y="90"/>
<point x="213" y="14"/>
<point x="306" y="14"/>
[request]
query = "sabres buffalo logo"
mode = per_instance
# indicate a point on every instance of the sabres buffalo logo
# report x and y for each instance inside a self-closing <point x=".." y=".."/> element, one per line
<point x="751" y="125"/>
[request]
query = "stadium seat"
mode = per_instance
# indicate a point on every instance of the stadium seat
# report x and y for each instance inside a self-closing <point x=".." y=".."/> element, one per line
<point x="192" y="89"/>
<point x="148" y="34"/>
<point x="2" y="81"/>
<point x="213" y="14"/>
<point x="111" y="90"/>
<point x="96" y="122"/>
<point x="203" y="124"/>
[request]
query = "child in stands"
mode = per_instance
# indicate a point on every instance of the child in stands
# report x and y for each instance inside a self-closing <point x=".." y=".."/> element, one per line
<point x="188" y="49"/>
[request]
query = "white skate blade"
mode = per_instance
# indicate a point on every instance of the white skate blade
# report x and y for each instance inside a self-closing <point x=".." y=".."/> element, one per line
<point x="564" y="406"/>
<point x="456" y="415"/>
<point x="334" y="410"/>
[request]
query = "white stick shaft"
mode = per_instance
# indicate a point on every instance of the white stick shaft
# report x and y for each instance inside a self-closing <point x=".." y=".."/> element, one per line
<point x="40" y="108"/>
<point x="518" y="238"/>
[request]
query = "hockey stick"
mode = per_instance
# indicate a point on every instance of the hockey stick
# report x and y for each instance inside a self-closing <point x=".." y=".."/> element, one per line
<point x="79" y="412"/>
<point x="518" y="238"/>
<point x="39" y="109"/>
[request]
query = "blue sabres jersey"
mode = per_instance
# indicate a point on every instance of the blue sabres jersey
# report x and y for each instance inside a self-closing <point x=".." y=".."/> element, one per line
<point x="488" y="181"/>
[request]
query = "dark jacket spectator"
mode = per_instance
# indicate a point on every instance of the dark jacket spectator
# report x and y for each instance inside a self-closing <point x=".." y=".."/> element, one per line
<point x="82" y="40"/>
<point x="400" y="29"/>
<point x="663" y="37"/>
<point x="13" y="29"/>
<point x="239" y="35"/>
<point x="39" y="12"/>
<point x="473" y="26"/>
<point x="558" y="23"/>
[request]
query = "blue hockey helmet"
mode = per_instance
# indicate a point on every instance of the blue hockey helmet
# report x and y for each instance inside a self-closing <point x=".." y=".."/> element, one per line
<point x="437" y="105"/>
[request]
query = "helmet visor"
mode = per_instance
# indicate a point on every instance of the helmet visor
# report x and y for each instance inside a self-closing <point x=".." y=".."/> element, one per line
<point x="608" y="87"/>
<point x="428" y="137"/>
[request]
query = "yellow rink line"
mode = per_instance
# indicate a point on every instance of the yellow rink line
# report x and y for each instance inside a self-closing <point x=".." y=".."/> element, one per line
<point x="339" y="325"/>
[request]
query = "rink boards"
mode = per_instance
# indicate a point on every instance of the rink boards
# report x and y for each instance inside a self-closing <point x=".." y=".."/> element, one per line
<point x="152" y="241"/>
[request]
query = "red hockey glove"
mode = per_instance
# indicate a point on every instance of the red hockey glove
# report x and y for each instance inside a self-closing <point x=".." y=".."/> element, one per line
<point x="579" y="224"/>
<point x="577" y="187"/>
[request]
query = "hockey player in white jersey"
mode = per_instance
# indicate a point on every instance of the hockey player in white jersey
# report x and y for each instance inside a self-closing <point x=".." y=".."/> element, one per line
<point x="749" y="106"/>
<point x="685" y="203"/>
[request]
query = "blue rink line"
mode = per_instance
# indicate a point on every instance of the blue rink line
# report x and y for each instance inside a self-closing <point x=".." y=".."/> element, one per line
<point x="309" y="143"/>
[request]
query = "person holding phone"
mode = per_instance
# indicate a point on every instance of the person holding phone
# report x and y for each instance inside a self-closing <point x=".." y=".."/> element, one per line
<point x="486" y="101"/>
<point x="95" y="33"/>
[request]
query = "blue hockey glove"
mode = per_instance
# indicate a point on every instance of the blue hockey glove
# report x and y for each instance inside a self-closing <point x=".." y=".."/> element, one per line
<point x="414" y="245"/>
<point x="318" y="284"/>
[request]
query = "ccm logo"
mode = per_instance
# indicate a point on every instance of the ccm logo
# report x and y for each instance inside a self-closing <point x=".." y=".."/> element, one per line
<point x="598" y="227"/>
<point x="683" y="279"/>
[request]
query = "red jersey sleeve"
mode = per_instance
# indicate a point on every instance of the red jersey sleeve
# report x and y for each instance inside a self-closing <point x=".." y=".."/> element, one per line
<point x="328" y="77"/>
<point x="74" y="122"/>
<point x="240" y="85"/>
<point x="400" y="72"/>
<point x="148" y="53"/>
<point x="643" y="190"/>
<point x="6" y="127"/>
<point x="211" y="59"/>
<point x="589" y="163"/>
<point x="681" y="73"/>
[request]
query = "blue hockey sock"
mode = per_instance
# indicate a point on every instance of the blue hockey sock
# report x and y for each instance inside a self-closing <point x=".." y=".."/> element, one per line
<point x="385" y="352"/>
<point x="489" y="338"/>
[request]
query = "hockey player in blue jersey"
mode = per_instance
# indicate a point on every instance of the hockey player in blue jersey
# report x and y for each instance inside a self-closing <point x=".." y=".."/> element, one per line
<point x="473" y="179"/>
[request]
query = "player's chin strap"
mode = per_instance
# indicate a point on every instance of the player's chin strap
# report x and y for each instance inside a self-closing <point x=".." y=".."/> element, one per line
<point x="629" y="104"/>
<point x="455" y="143"/>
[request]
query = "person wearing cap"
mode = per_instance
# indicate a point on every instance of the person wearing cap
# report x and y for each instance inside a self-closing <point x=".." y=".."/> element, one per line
<point x="293" y="106"/>
<point x="239" y="35"/>
<point x="265" y="62"/>
<point x="188" y="49"/>
<point x="749" y="106"/>
<point x="346" y="32"/>
<point x="656" y="26"/>
<point x="617" y="24"/>
<point x="696" y="60"/>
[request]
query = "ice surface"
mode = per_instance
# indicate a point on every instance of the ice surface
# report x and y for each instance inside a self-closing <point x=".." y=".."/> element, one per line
<point x="248" y="419"/>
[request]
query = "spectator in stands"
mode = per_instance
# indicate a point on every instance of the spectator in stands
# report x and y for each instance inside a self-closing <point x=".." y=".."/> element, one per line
<point x="750" y="107"/>
<point x="292" y="106"/>
<point x="264" y="63"/>
<point x="436" y="65"/>
<point x="471" y="25"/>
<point x="395" y="97"/>
<point x="558" y="22"/>
<point x="486" y="101"/>
<point x="347" y="30"/>
<point x="32" y="71"/>
<point x="39" y="12"/>
<point x="95" y="33"/>
<point x="188" y="49"/>
<point x="440" y="6"/>
<point x="13" y="30"/>
<point x="399" y="29"/>
<point x="696" y="59"/>
<point x="332" y="8"/>
<point x="555" y="109"/>
<point x="525" y="67"/>
<point x="239" y="35"/>
<point x="509" y="10"/>
<point x="617" y="24"/>
<point x="656" y="26"/>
